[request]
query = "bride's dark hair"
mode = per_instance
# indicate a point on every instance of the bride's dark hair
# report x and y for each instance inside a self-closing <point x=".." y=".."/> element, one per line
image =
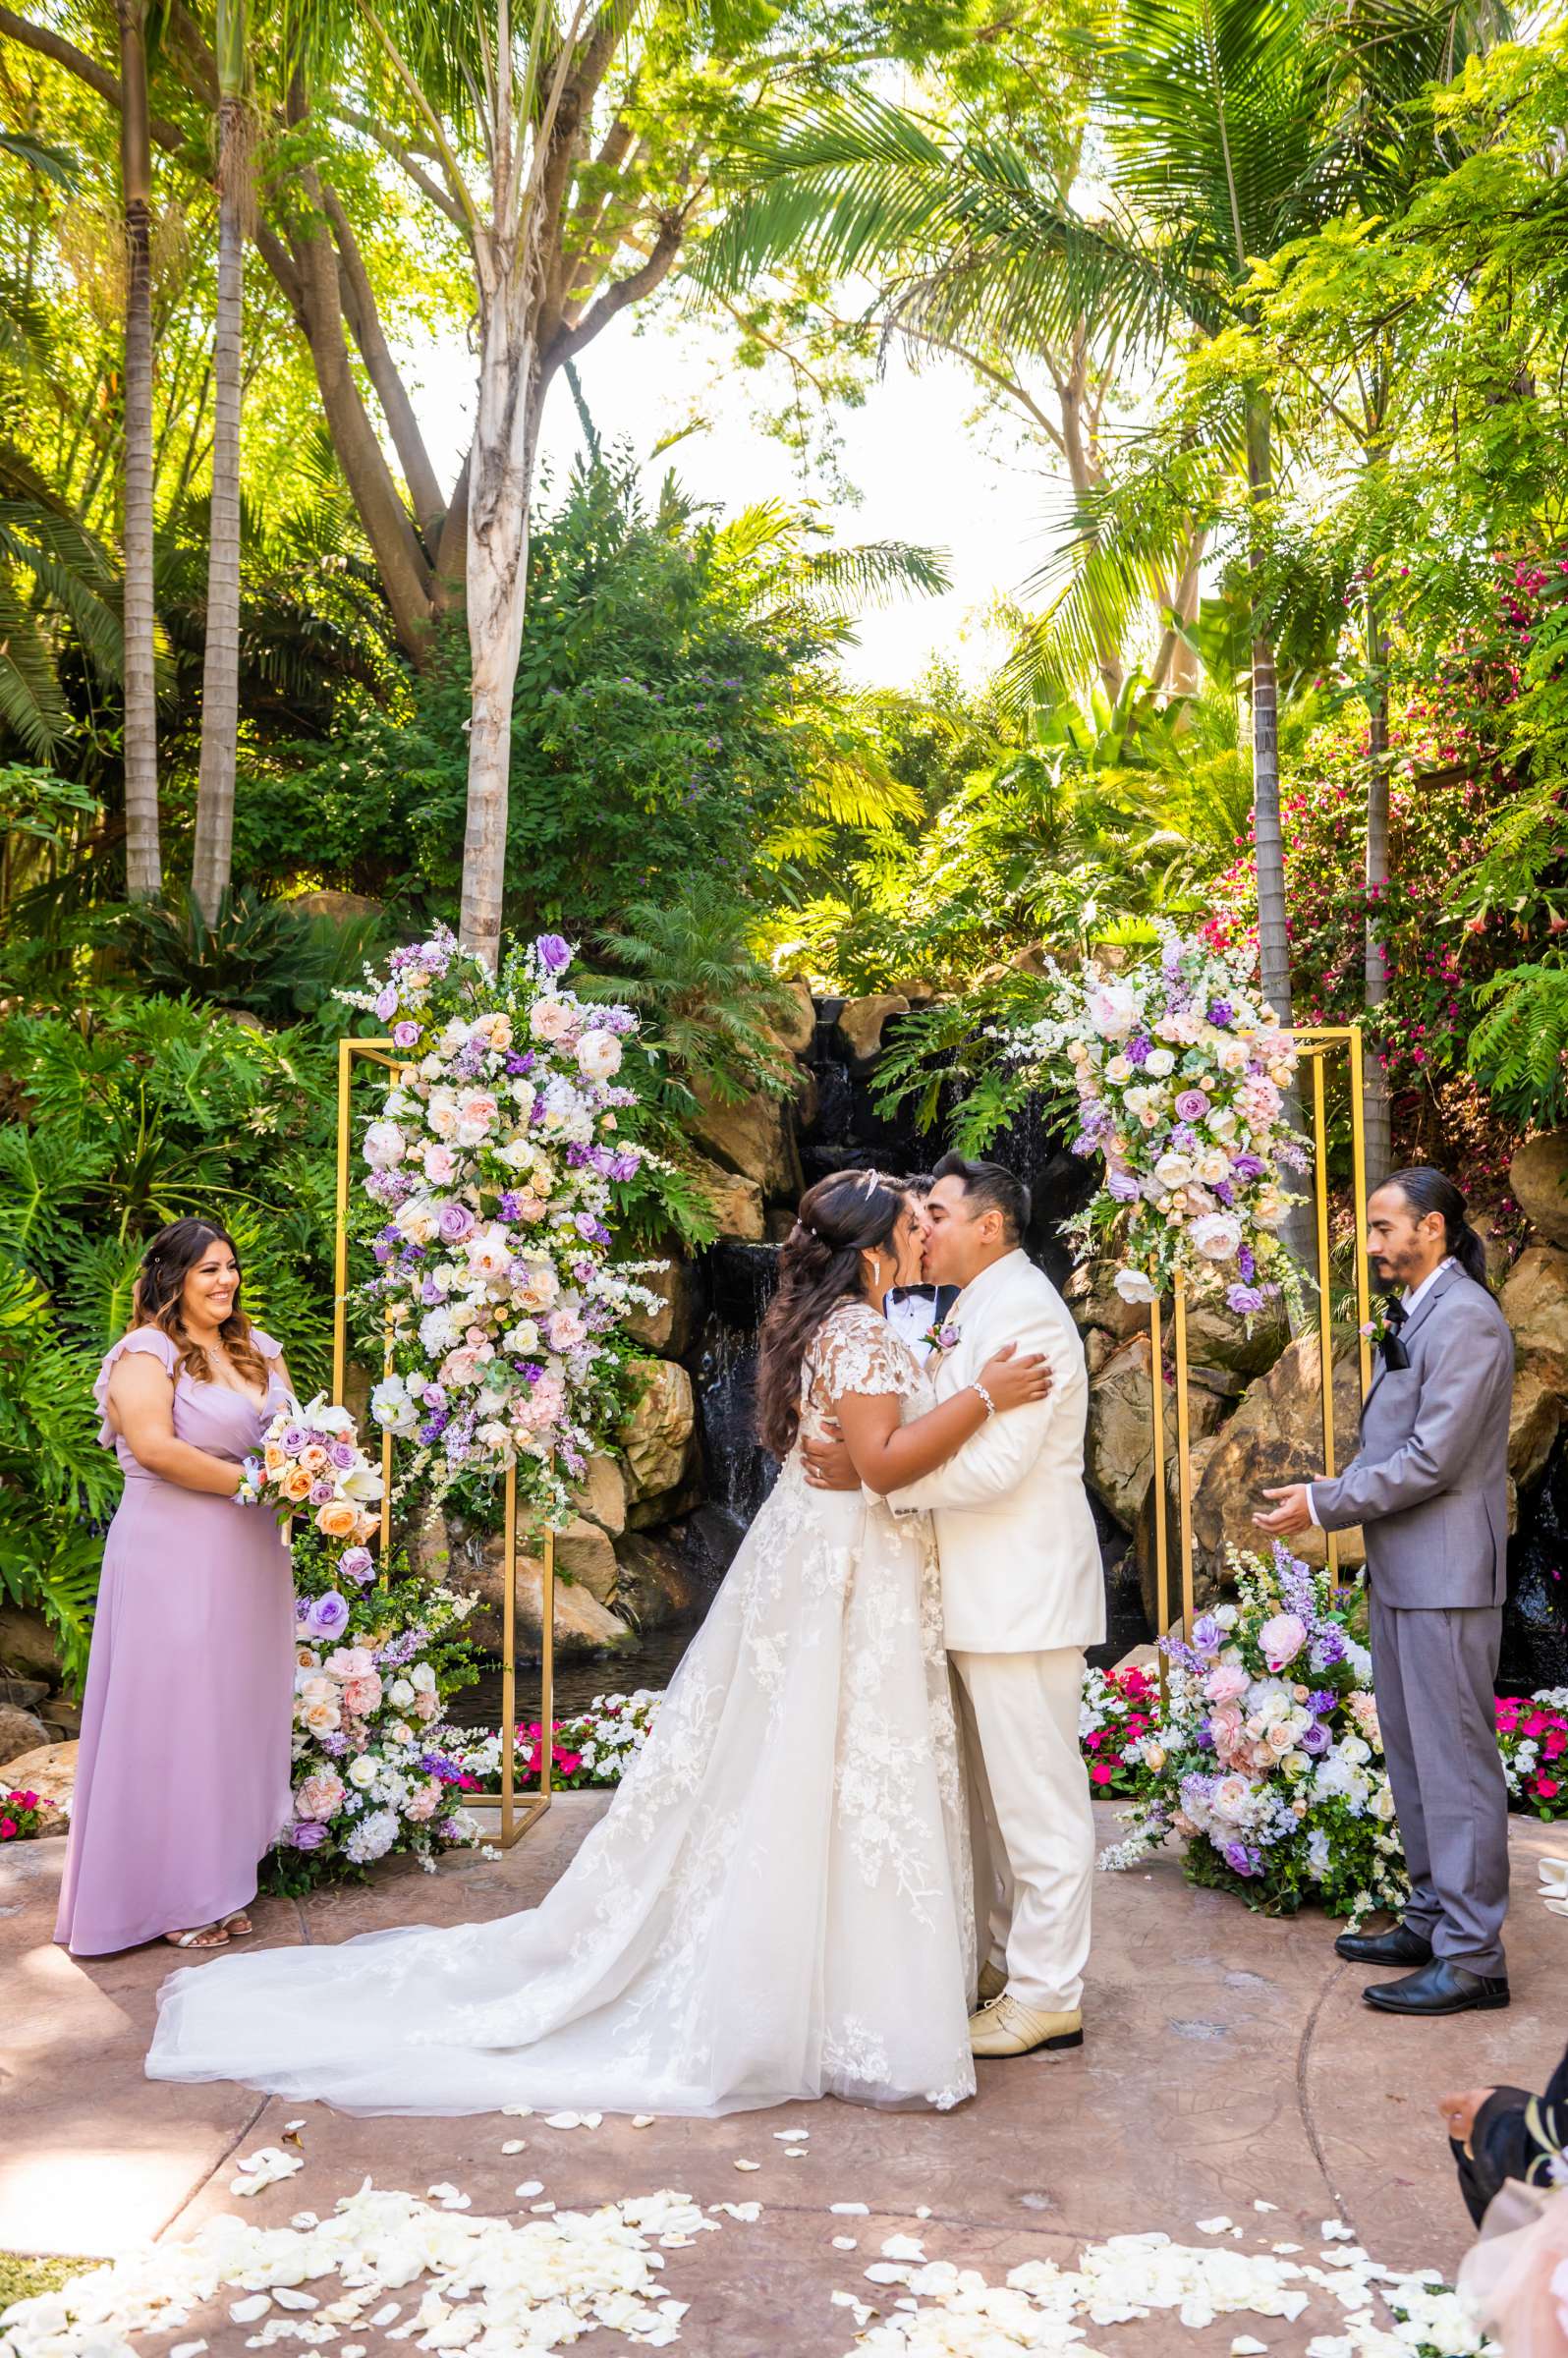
<point x="839" y="1218"/>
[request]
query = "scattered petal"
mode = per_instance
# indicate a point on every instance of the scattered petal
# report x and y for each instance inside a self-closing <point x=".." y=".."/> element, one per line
<point x="1213" y="2227"/>
<point x="529" y="2189"/>
<point x="642" y="2121"/>
<point x="564" y="2121"/>
<point x="515" y="2145"/>
<point x="289" y="2297"/>
<point x="255" y="2305"/>
<point x="748" y="2164"/>
<point x="850" y="2209"/>
<point x="1263" y="2206"/>
<point x="844" y="2243"/>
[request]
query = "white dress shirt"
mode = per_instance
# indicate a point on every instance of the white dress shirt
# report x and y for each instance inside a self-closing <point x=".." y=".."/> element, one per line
<point x="1410" y="1301"/>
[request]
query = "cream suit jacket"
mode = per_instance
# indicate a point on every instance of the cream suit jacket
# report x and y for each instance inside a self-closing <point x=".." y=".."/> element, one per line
<point x="1020" y="1556"/>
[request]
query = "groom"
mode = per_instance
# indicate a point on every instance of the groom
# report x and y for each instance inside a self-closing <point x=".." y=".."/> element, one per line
<point x="1021" y="1596"/>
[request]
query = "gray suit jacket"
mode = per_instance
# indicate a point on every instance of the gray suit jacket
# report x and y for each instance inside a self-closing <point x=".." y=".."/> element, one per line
<point x="1429" y="1478"/>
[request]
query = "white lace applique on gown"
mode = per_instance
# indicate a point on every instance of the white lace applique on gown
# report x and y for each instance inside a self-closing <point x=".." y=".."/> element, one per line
<point x="777" y="1905"/>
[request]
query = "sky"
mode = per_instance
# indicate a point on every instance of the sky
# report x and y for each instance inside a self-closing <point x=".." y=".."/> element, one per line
<point x="923" y="472"/>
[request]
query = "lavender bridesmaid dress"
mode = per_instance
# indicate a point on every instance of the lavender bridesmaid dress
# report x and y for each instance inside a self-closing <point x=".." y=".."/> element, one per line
<point x="183" y="1775"/>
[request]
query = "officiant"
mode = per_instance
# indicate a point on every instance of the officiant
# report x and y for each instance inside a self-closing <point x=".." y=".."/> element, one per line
<point x="1430" y="1486"/>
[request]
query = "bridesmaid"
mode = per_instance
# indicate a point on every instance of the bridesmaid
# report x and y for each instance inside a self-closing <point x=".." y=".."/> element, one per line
<point x="182" y="1775"/>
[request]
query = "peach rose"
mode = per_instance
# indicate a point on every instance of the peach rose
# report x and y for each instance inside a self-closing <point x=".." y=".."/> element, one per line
<point x="321" y="1718"/>
<point x="320" y="1796"/>
<point x="274" y="1460"/>
<point x="363" y="1695"/>
<point x="337" y="1520"/>
<point x="296" y="1484"/>
<point x="314" y="1458"/>
<point x="350" y="1662"/>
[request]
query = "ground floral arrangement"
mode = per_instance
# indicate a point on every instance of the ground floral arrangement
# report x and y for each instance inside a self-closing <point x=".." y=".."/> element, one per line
<point x="1181" y="1072"/>
<point x="435" y="2273"/>
<point x="1268" y="1758"/>
<point x="23" y="1816"/>
<point x="491" y="1169"/>
<point x="1533" y="1738"/>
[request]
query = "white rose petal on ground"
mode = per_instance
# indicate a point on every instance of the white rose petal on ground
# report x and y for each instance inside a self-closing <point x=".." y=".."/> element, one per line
<point x="255" y="2305"/>
<point x="844" y="2243"/>
<point x="529" y="2188"/>
<point x="748" y="2164"/>
<point x="642" y="2121"/>
<point x="515" y="2145"/>
<point x="563" y="2121"/>
<point x="1213" y="2227"/>
<point x="850" y="2209"/>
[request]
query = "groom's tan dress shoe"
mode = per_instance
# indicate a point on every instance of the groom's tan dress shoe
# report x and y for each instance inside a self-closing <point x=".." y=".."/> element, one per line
<point x="1007" y="2028"/>
<point x="992" y="1982"/>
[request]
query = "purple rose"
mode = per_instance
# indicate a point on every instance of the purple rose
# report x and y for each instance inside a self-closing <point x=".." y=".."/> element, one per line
<point x="1207" y="1634"/>
<point x="1192" y="1105"/>
<point x="307" y="1835"/>
<point x="553" y="954"/>
<point x="405" y="1035"/>
<point x="1315" y="1740"/>
<point x="328" y="1616"/>
<point x="357" y="1564"/>
<point x="1241" y="1860"/>
<point x="1243" y="1299"/>
<point x="294" y="1439"/>
<point x="321" y="1492"/>
<point x="1247" y="1166"/>
<point x="1123" y="1186"/>
<point x="386" y="1003"/>
<point x="455" y="1222"/>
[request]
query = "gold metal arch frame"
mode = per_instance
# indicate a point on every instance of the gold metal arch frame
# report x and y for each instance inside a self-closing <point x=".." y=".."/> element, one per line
<point x="1315" y="1043"/>
<point x="519" y="1807"/>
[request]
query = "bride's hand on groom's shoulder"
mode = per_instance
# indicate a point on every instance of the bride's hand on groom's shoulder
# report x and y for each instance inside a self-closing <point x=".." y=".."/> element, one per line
<point x="829" y="1463"/>
<point x="1016" y="1380"/>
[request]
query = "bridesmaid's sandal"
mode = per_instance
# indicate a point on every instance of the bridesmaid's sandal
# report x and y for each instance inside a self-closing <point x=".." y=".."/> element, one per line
<point x="236" y="1925"/>
<point x="205" y="1936"/>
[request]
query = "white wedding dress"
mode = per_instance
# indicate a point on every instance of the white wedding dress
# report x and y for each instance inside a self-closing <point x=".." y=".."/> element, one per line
<point x="778" y="1903"/>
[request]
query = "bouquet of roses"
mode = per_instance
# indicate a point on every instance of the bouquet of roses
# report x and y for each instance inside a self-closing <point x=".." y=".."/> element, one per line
<point x="374" y="1667"/>
<point x="310" y="1463"/>
<point x="1181" y="1072"/>
<point x="1268" y="1758"/>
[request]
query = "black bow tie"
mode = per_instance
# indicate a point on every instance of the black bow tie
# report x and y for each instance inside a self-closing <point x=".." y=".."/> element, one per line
<point x="1395" y="1353"/>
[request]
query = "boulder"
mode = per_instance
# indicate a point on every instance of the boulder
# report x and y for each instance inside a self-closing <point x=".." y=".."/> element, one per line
<point x="919" y="989"/>
<point x="28" y="1692"/>
<point x="585" y="1554"/>
<point x="668" y="1329"/>
<point x="28" y="1645"/>
<point x="1209" y="1580"/>
<point x="600" y="1496"/>
<point x="1218" y="1338"/>
<point x="861" y="1022"/>
<point x="21" y="1730"/>
<point x="1119" y="1445"/>
<point x="343" y="907"/>
<point x="1275" y="1437"/>
<point x="1534" y="1300"/>
<point x="1091" y="1295"/>
<point x="794" y="1024"/>
<point x="462" y="1554"/>
<point x="656" y="1585"/>
<point x="49" y="1770"/>
<point x="1535" y="1413"/>
<point x="1538" y="1180"/>
<point x="754" y="1137"/>
<point x="735" y="1200"/>
<point x="657" y="1434"/>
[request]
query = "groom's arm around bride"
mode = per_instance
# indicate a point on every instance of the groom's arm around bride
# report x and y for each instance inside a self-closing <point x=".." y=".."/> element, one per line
<point x="1023" y="1595"/>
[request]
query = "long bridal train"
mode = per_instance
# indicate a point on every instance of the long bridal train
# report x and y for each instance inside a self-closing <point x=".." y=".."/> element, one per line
<point x="776" y="1906"/>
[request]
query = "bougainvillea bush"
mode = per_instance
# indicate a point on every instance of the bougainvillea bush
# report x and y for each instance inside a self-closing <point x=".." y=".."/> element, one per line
<point x="1267" y="1759"/>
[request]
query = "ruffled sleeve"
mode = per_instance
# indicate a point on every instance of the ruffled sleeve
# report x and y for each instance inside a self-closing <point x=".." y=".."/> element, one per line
<point x="156" y="1344"/>
<point x="266" y="1344"/>
<point x="857" y="1351"/>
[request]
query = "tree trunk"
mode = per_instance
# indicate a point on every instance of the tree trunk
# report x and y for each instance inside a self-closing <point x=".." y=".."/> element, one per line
<point x="1273" y="945"/>
<point x="144" y="867"/>
<point x="1375" y="1112"/>
<point x="398" y="409"/>
<point x="220" y="675"/>
<point x="500" y="486"/>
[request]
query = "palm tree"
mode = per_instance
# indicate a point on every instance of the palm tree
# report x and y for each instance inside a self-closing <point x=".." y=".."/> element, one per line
<point x="144" y="867"/>
<point x="220" y="678"/>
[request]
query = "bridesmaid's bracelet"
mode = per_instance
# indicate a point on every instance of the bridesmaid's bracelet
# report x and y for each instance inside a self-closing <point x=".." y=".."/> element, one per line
<point x="990" y="1405"/>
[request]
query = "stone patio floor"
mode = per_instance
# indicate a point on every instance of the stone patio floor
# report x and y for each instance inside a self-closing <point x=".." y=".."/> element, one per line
<point x="1229" y="2059"/>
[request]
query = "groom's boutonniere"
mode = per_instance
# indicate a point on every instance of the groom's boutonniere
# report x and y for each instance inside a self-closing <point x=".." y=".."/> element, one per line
<point x="941" y="1337"/>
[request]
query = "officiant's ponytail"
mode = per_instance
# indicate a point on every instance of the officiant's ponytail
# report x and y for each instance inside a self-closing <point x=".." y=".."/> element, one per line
<point x="841" y="1217"/>
<point x="1426" y="1190"/>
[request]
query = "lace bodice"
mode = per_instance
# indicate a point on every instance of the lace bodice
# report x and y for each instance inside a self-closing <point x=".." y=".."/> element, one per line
<point x="856" y="1350"/>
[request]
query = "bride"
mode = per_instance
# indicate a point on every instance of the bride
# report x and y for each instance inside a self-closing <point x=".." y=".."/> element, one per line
<point x="778" y="1903"/>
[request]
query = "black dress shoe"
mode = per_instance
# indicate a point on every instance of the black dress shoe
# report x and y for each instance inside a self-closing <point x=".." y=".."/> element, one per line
<point x="1399" y="1945"/>
<point x="1440" y="1987"/>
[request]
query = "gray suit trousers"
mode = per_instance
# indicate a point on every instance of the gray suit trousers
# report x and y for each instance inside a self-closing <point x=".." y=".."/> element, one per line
<point x="1434" y="1671"/>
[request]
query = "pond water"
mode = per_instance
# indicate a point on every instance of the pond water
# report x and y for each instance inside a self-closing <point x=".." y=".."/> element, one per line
<point x="576" y="1683"/>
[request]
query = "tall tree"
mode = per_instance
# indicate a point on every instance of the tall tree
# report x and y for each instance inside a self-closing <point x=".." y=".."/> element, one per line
<point x="220" y="677"/>
<point x="142" y="858"/>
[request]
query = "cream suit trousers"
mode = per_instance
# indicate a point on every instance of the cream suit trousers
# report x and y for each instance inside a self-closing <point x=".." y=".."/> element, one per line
<point x="1033" y="1828"/>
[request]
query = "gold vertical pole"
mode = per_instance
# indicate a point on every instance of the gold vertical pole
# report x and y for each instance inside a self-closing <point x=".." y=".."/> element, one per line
<point x="509" y="1659"/>
<point x="1326" y="1322"/>
<point x="1184" y="1456"/>
<point x="340" y="1249"/>
<point x="547" y="1664"/>
<point x="1157" y="1412"/>
<point x="1358" y="1153"/>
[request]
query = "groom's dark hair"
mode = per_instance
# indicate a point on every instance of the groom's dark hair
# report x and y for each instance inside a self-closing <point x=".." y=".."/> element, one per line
<point x="988" y="1187"/>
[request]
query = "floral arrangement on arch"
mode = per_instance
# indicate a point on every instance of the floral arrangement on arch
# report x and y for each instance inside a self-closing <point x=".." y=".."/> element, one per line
<point x="492" y="1166"/>
<point x="374" y="1770"/>
<point x="1181" y="1071"/>
<point x="1268" y="1757"/>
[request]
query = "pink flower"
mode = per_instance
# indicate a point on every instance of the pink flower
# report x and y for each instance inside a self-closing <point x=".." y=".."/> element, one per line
<point x="423" y="1804"/>
<point x="1227" y="1682"/>
<point x="363" y="1695"/>
<point x="566" y="1330"/>
<point x="320" y="1796"/>
<point x="440" y="1164"/>
<point x="1282" y="1640"/>
<point x="1102" y="1773"/>
<point x="350" y="1662"/>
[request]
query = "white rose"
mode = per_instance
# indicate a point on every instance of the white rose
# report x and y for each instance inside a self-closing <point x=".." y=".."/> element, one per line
<point x="385" y="1145"/>
<point x="1173" y="1170"/>
<point x="422" y="1678"/>
<point x="363" y="1772"/>
<point x="1214" y="1167"/>
<point x="1231" y="1056"/>
<point x="1111" y="1008"/>
<point x="401" y="1693"/>
<point x="1222" y="1122"/>
<point x="1160" y="1062"/>
<point x="599" y="1056"/>
<point x="1217" y="1235"/>
<point x="391" y="1406"/>
<point x="1133" y="1286"/>
<point x="523" y="1339"/>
